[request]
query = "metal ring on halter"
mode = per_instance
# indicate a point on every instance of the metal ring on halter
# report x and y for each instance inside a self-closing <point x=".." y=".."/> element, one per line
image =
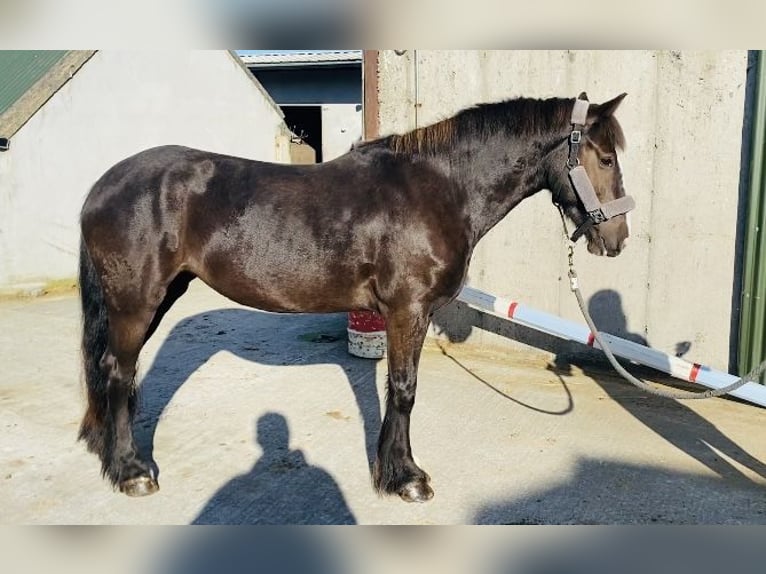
<point x="575" y="138"/>
<point x="580" y="231"/>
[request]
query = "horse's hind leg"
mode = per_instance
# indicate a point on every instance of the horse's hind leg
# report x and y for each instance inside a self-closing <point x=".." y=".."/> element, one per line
<point x="121" y="461"/>
<point x="395" y="470"/>
<point x="112" y="341"/>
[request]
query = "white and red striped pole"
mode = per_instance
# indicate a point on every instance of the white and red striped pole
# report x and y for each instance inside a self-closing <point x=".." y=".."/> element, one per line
<point x="572" y="331"/>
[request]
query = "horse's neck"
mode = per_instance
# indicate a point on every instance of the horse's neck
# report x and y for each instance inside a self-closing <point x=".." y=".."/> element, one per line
<point x="498" y="174"/>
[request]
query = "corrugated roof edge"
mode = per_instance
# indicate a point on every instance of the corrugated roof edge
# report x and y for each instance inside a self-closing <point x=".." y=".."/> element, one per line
<point x="14" y="118"/>
<point x="303" y="58"/>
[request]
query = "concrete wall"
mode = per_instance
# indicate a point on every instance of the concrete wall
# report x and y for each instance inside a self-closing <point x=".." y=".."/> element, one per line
<point x="120" y="103"/>
<point x="341" y="127"/>
<point x="683" y="120"/>
<point x="302" y="153"/>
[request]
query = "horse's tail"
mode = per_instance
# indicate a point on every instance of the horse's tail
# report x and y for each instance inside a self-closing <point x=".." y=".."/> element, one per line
<point x="95" y="337"/>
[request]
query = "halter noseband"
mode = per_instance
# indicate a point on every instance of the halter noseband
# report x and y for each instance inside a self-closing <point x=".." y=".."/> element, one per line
<point x="597" y="212"/>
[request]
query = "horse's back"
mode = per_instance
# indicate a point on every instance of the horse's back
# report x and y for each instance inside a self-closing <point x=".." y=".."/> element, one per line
<point x="279" y="237"/>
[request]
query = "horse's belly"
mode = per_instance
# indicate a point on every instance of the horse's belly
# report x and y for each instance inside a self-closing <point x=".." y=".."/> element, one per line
<point x="292" y="292"/>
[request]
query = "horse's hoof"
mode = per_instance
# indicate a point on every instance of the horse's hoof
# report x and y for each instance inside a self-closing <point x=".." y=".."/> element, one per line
<point x="139" y="486"/>
<point x="416" y="491"/>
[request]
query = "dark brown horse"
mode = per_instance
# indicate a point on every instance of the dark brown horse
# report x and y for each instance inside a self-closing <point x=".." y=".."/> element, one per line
<point x="390" y="226"/>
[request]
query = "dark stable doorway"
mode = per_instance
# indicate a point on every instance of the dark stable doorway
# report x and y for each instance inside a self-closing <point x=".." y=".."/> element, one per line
<point x="306" y="122"/>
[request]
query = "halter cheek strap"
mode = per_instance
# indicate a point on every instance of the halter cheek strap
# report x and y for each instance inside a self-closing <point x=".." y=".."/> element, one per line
<point x="597" y="212"/>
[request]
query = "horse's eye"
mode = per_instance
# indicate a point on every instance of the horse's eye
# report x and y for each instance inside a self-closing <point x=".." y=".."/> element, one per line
<point x="607" y="162"/>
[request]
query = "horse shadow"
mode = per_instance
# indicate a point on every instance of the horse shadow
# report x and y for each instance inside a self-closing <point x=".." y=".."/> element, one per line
<point x="673" y="420"/>
<point x="264" y="338"/>
<point x="281" y="488"/>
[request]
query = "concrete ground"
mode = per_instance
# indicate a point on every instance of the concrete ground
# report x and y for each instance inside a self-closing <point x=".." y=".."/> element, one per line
<point x="260" y="418"/>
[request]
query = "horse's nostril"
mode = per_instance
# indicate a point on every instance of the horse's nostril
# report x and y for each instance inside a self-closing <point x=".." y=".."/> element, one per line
<point x="615" y="251"/>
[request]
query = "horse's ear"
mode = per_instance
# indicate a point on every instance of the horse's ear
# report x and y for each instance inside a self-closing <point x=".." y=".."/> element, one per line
<point x="607" y="109"/>
<point x="582" y="96"/>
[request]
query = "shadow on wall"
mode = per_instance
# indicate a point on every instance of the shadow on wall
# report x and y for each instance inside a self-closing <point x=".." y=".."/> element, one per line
<point x="457" y="321"/>
<point x="260" y="337"/>
<point x="281" y="488"/>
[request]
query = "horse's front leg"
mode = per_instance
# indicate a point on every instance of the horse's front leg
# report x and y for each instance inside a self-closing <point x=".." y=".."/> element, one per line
<point x="395" y="471"/>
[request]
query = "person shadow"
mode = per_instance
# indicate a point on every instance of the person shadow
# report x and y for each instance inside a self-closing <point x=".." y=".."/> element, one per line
<point x="673" y="420"/>
<point x="281" y="488"/>
<point x="247" y="549"/>
<point x="267" y="339"/>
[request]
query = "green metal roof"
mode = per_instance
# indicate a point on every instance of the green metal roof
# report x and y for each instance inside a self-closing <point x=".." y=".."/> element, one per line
<point x="21" y="69"/>
<point x="29" y="78"/>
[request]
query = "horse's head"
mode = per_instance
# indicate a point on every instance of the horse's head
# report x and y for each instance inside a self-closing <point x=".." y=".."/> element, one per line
<point x="600" y="218"/>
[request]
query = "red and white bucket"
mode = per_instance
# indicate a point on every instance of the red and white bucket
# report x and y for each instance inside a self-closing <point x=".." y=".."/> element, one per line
<point x="366" y="334"/>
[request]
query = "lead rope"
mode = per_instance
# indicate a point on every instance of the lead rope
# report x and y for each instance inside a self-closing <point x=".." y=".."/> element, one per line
<point x="680" y="395"/>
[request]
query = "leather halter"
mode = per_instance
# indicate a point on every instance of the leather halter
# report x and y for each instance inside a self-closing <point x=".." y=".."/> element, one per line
<point x="597" y="212"/>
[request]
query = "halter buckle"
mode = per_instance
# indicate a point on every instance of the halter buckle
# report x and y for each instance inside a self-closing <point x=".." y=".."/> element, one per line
<point x="575" y="137"/>
<point x="597" y="216"/>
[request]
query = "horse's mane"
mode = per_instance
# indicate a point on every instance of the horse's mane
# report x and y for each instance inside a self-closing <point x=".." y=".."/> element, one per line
<point x="517" y="117"/>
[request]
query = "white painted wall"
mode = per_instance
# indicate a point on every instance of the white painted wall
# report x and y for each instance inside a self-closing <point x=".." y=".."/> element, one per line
<point x="683" y="120"/>
<point x="120" y="103"/>
<point x="341" y="127"/>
